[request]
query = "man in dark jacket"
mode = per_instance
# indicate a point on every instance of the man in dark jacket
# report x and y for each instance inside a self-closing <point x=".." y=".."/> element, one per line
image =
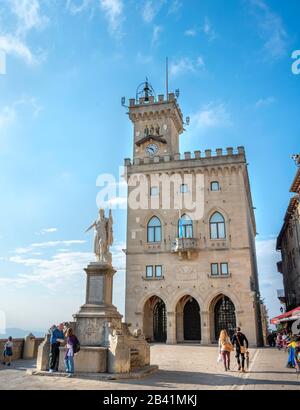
<point x="241" y="345"/>
<point x="56" y="338"/>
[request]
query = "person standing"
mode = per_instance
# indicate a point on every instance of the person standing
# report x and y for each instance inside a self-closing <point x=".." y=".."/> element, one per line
<point x="225" y="347"/>
<point x="56" y="338"/>
<point x="72" y="348"/>
<point x="8" y="351"/>
<point x="241" y="345"/>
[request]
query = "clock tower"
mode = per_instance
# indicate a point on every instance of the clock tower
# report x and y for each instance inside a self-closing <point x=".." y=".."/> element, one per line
<point x="157" y="123"/>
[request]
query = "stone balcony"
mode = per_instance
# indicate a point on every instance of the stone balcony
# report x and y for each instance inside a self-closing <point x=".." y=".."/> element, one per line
<point x="184" y="246"/>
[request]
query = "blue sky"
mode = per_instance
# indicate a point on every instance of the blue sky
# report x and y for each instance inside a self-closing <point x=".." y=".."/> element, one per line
<point x="68" y="63"/>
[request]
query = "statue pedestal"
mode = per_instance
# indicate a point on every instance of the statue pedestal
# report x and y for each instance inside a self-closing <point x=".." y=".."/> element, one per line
<point x="98" y="307"/>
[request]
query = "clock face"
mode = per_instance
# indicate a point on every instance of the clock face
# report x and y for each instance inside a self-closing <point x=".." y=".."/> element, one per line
<point x="152" y="149"/>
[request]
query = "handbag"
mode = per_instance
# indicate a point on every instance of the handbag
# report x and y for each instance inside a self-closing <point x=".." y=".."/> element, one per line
<point x="228" y="347"/>
<point x="242" y="348"/>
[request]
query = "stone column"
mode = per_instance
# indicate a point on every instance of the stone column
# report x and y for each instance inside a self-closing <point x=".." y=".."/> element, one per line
<point x="98" y="307"/>
<point x="29" y="345"/>
<point x="205" y="328"/>
<point x="171" y="328"/>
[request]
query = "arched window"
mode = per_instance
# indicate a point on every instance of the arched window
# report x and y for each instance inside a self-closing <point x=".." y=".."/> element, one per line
<point x="217" y="226"/>
<point x="154" y="230"/>
<point x="185" y="227"/>
<point x="215" y="186"/>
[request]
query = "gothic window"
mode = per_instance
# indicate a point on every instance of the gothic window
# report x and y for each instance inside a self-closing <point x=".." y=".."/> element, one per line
<point x="154" y="230"/>
<point x="184" y="188"/>
<point x="185" y="227"/>
<point x="154" y="191"/>
<point x="215" y="186"/>
<point x="217" y="226"/>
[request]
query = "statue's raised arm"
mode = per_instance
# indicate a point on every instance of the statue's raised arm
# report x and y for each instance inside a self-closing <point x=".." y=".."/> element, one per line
<point x="110" y="234"/>
<point x="91" y="227"/>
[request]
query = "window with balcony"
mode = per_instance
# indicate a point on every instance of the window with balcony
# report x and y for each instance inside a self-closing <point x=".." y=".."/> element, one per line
<point x="217" y="226"/>
<point x="185" y="227"/>
<point x="154" y="230"/>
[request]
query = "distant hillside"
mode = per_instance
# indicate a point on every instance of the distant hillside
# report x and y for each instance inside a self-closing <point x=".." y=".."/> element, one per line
<point x="19" y="333"/>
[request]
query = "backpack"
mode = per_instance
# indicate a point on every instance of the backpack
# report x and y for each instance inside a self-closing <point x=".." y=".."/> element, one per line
<point x="76" y="346"/>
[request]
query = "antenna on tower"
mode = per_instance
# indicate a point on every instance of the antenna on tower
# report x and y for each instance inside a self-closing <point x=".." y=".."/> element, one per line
<point x="167" y="78"/>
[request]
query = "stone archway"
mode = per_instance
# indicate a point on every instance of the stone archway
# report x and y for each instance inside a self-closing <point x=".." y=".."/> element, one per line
<point x="155" y="320"/>
<point x="222" y="316"/>
<point x="188" y="321"/>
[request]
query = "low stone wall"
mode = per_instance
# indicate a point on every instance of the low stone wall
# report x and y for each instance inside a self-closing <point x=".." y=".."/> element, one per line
<point x="18" y="349"/>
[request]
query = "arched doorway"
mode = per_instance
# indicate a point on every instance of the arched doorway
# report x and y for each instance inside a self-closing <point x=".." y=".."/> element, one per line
<point x="188" y="321"/>
<point x="155" y="320"/>
<point x="160" y="322"/>
<point x="224" y="316"/>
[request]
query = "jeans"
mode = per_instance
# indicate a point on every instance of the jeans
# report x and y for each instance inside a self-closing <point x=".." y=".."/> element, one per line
<point x="226" y="359"/>
<point x="54" y="356"/>
<point x="242" y="355"/>
<point x="69" y="363"/>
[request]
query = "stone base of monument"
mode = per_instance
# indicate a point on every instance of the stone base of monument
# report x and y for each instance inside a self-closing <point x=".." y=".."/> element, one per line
<point x="108" y="347"/>
<point x="90" y="359"/>
<point x="134" y="374"/>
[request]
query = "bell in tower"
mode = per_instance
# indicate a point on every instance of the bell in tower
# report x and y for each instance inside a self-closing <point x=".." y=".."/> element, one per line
<point x="157" y="122"/>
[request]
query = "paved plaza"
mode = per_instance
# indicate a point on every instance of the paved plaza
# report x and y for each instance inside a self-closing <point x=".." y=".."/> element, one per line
<point x="181" y="367"/>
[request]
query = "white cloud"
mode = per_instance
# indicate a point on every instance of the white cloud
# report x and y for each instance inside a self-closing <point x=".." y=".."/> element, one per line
<point x="270" y="280"/>
<point x="46" y="230"/>
<point x="28" y="14"/>
<point x="7" y="117"/>
<point x="49" y="244"/>
<point x="113" y="11"/>
<point x="12" y="45"/>
<point x="191" y="32"/>
<point x="155" y="36"/>
<point x="264" y="102"/>
<point x="175" y="7"/>
<point x="271" y="29"/>
<point x="186" y="65"/>
<point x="143" y="59"/>
<point x="75" y="7"/>
<point x="9" y="113"/>
<point x="58" y="270"/>
<point x="151" y="9"/>
<point x="211" y="115"/>
<point x="208" y="29"/>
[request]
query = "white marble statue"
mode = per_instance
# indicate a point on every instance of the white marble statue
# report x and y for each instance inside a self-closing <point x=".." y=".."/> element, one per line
<point x="103" y="236"/>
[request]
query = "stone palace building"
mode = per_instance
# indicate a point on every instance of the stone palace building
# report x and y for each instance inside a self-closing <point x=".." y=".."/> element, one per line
<point x="188" y="277"/>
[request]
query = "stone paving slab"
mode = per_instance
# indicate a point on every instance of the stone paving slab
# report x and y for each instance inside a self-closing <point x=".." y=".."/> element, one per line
<point x="138" y="374"/>
<point x="187" y="367"/>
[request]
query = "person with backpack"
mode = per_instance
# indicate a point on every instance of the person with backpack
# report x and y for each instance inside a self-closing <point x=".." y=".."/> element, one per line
<point x="225" y="348"/>
<point x="73" y="347"/>
<point x="241" y="345"/>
